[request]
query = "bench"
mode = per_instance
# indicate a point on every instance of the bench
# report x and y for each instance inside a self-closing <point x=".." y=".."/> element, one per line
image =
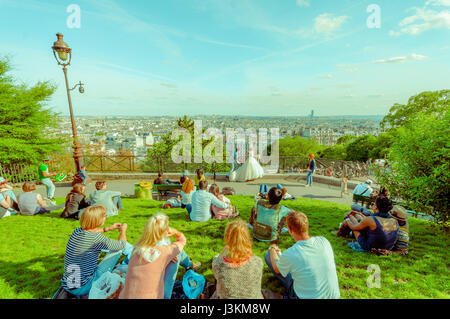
<point x="162" y="192"/>
<point x="363" y="199"/>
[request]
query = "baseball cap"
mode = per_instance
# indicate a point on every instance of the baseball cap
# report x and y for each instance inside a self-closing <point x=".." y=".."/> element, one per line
<point x="368" y="181"/>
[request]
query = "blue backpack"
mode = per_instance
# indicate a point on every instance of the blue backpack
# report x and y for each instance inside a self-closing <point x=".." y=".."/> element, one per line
<point x="193" y="284"/>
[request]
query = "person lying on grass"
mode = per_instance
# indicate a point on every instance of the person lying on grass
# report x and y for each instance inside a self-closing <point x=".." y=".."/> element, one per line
<point x="76" y="202"/>
<point x="306" y="270"/>
<point x="237" y="270"/>
<point x="222" y="213"/>
<point x="153" y="265"/>
<point x="268" y="217"/>
<point x="379" y="231"/>
<point x="202" y="201"/>
<point x="84" y="247"/>
<point x="173" y="202"/>
<point x="31" y="203"/>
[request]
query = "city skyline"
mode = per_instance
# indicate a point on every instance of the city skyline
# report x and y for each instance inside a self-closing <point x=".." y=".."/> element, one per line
<point x="232" y="57"/>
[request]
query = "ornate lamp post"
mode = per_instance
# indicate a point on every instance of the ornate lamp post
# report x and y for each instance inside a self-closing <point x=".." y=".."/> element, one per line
<point x="63" y="55"/>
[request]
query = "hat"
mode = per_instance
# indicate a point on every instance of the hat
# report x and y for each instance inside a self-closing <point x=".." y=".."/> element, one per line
<point x="368" y="181"/>
<point x="398" y="212"/>
<point x="47" y="159"/>
<point x="2" y="179"/>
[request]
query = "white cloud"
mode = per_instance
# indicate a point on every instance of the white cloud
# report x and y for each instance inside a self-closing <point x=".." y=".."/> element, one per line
<point x="402" y="59"/>
<point x="326" y="23"/>
<point x="438" y="3"/>
<point x="303" y="3"/>
<point x="425" y="19"/>
<point x="326" y="76"/>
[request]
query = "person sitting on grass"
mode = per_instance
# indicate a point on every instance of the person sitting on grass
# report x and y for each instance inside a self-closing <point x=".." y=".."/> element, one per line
<point x="402" y="243"/>
<point x="31" y="203"/>
<point x="222" y="213"/>
<point x="7" y="206"/>
<point x="84" y="247"/>
<point x="7" y="190"/>
<point x="201" y="203"/>
<point x="110" y="199"/>
<point x="237" y="270"/>
<point x="173" y="202"/>
<point x="306" y="270"/>
<point x="186" y="192"/>
<point x="76" y="202"/>
<point x="267" y="217"/>
<point x="378" y="231"/>
<point x="199" y="176"/>
<point x="153" y="265"/>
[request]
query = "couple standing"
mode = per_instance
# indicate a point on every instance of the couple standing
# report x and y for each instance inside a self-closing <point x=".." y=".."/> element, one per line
<point x="249" y="170"/>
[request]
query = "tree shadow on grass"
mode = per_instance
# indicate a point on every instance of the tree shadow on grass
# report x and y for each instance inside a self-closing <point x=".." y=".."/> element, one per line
<point x="23" y="277"/>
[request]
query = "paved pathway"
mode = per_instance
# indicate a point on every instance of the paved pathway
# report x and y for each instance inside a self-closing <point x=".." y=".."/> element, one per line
<point x="296" y="189"/>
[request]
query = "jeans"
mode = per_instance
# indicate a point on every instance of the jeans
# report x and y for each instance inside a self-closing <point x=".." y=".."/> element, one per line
<point x="287" y="282"/>
<point x="107" y="264"/>
<point x="263" y="189"/>
<point x="171" y="273"/>
<point x="189" y="208"/>
<point x="309" y="177"/>
<point x="50" y="187"/>
<point x="117" y="201"/>
<point x="359" y="208"/>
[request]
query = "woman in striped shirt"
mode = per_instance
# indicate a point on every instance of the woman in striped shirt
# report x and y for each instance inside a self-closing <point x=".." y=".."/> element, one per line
<point x="84" y="247"/>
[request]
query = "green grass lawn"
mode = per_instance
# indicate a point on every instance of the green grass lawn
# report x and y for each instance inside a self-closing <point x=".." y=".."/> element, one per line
<point x="32" y="250"/>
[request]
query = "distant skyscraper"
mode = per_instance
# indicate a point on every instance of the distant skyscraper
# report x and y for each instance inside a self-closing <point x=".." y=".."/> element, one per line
<point x="312" y="114"/>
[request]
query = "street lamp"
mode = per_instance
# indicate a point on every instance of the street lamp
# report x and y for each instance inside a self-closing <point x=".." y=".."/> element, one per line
<point x="63" y="55"/>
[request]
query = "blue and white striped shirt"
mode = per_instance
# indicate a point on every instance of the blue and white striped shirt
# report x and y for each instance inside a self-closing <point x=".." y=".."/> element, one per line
<point x="82" y="251"/>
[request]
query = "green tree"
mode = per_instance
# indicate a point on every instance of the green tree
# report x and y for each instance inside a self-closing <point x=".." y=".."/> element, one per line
<point x="25" y="123"/>
<point x="435" y="102"/>
<point x="359" y="149"/>
<point x="297" y="146"/>
<point x="346" y="139"/>
<point x="337" y="152"/>
<point x="419" y="161"/>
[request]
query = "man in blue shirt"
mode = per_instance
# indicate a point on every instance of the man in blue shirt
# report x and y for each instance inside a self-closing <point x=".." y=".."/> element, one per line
<point x="307" y="269"/>
<point x="201" y="203"/>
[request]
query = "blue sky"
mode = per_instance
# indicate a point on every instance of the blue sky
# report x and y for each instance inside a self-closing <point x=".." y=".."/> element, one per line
<point x="244" y="57"/>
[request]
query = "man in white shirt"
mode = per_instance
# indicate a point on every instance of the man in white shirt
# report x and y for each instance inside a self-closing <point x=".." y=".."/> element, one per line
<point x="201" y="203"/>
<point x="307" y="269"/>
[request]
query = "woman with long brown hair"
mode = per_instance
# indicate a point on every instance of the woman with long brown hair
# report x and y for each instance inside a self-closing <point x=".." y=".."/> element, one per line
<point x="237" y="270"/>
<point x="76" y="202"/>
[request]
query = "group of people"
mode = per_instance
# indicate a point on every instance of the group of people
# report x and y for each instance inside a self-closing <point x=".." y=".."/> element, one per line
<point x="384" y="230"/>
<point x="306" y="270"/>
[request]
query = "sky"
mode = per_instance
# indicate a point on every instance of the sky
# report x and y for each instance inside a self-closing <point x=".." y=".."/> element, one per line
<point x="235" y="57"/>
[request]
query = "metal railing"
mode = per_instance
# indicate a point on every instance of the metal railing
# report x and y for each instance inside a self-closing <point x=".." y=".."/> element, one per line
<point x="146" y="164"/>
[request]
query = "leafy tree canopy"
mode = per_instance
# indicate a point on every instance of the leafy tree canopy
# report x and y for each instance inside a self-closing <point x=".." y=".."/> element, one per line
<point x="435" y="102"/>
<point x="25" y="125"/>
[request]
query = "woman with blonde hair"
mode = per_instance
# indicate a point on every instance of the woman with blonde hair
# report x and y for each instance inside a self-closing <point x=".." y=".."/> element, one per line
<point x="154" y="262"/>
<point x="186" y="192"/>
<point x="237" y="270"/>
<point x="84" y="247"/>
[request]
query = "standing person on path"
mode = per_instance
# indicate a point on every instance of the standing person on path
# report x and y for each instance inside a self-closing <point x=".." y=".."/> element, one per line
<point x="311" y="169"/>
<point x="44" y="177"/>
